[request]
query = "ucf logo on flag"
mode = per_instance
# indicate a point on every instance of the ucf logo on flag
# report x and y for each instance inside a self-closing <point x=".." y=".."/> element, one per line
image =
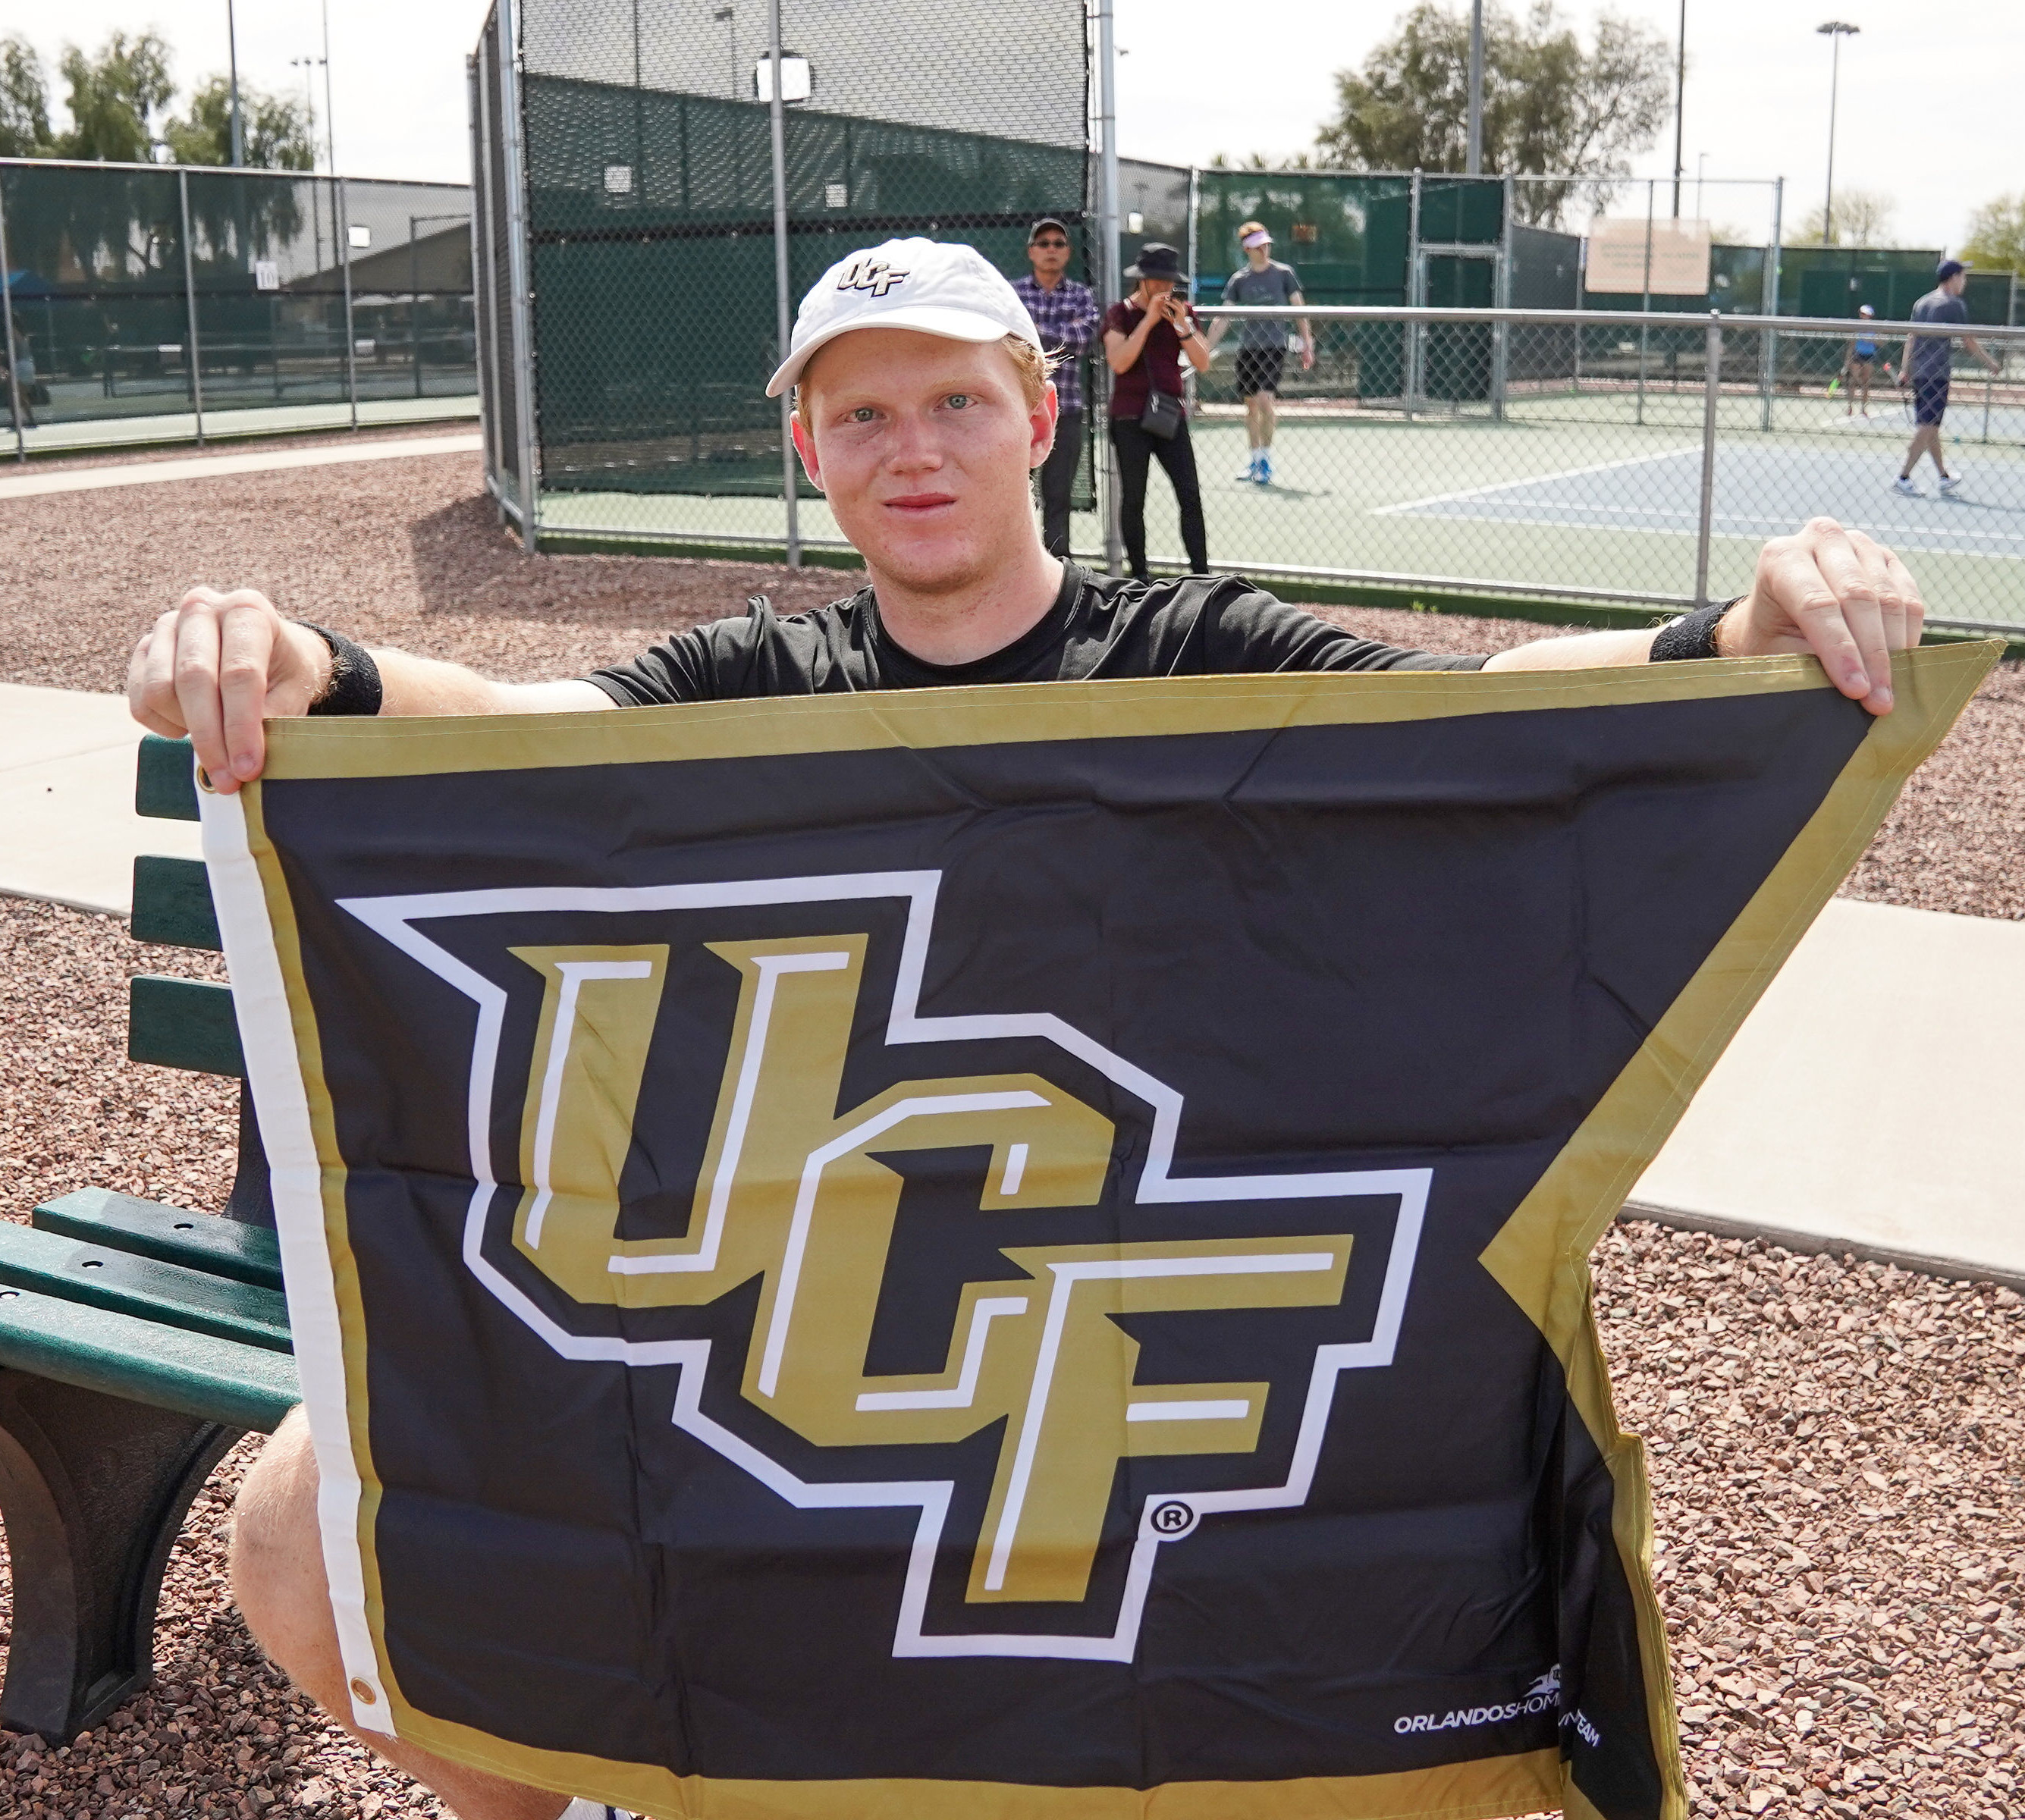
<point x="1018" y="1251"/>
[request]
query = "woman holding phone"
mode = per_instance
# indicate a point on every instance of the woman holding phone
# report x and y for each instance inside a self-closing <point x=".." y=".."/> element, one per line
<point x="1144" y="337"/>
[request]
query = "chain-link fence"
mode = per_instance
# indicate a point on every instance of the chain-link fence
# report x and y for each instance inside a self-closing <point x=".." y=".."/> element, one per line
<point x="1474" y="420"/>
<point x="1616" y="456"/>
<point x="643" y="140"/>
<point x="141" y="292"/>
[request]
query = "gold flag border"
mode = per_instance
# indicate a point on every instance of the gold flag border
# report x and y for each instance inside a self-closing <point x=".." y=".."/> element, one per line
<point x="1540" y="1256"/>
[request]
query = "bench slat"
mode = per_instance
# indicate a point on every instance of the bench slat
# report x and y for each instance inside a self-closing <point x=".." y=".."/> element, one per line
<point x="216" y="1380"/>
<point x="183" y="1023"/>
<point x="172" y="902"/>
<point x="164" y="781"/>
<point x="48" y="1262"/>
<point x="205" y="1242"/>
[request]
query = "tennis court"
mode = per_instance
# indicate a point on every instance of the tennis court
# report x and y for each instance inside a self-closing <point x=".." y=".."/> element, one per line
<point x="1568" y="481"/>
<point x="1759" y="490"/>
<point x="1554" y="507"/>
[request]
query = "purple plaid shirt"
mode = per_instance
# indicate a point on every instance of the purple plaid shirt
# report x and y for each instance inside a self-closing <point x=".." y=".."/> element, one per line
<point x="1066" y="319"/>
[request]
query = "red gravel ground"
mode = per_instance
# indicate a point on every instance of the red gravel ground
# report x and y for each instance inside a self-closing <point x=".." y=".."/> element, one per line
<point x="1838" y="1461"/>
<point x="1838" y="1449"/>
<point x="411" y="553"/>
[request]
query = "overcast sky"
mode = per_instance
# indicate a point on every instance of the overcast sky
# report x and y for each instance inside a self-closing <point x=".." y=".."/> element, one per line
<point x="1933" y="91"/>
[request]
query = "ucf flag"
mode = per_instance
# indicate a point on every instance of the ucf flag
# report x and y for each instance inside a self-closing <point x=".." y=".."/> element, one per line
<point x="1015" y="1253"/>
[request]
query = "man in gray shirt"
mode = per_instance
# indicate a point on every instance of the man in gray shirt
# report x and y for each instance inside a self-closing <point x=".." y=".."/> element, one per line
<point x="1261" y="346"/>
<point x="1925" y="365"/>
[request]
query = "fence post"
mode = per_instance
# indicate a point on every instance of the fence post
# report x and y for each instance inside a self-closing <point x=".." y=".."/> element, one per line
<point x="1501" y="335"/>
<point x="1113" y="280"/>
<point x="189" y="300"/>
<point x="1188" y="372"/>
<point x="1645" y="299"/>
<point x="1769" y="297"/>
<point x="343" y="215"/>
<point x="518" y="276"/>
<point x="1711" y="394"/>
<point x="7" y="326"/>
<point x="1410" y="379"/>
<point x="414" y="304"/>
<point x="777" y="120"/>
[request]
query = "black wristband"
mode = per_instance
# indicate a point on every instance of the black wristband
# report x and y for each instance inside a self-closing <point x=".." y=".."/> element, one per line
<point x="1691" y="635"/>
<point x="353" y="687"/>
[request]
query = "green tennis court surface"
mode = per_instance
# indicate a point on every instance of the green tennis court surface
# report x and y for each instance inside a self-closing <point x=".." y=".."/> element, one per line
<point x="1563" y="493"/>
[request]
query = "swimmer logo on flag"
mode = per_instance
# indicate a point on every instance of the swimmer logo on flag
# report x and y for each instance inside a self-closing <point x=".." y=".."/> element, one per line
<point x="1014" y="1246"/>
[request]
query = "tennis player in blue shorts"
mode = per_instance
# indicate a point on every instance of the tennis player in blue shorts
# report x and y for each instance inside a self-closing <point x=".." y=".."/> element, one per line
<point x="1926" y="362"/>
<point x="1861" y="363"/>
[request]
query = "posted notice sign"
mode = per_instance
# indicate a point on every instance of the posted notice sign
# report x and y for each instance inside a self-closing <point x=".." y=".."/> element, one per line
<point x="1618" y="258"/>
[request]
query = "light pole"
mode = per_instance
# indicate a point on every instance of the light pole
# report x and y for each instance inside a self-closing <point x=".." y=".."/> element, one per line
<point x="232" y="51"/>
<point x="308" y="66"/>
<point x="1680" y="98"/>
<point x="329" y="114"/>
<point x="1473" y="152"/>
<point x="1836" y="31"/>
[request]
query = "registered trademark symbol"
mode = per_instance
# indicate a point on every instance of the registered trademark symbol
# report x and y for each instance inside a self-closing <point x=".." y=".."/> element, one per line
<point x="1173" y="1518"/>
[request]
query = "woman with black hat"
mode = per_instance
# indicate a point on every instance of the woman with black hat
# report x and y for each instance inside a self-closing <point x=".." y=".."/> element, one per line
<point x="1144" y="337"/>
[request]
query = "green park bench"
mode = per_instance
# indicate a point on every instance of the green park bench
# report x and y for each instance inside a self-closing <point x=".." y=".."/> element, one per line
<point x="137" y="1343"/>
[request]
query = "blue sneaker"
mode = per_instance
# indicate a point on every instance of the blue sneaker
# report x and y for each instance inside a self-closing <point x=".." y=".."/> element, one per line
<point x="1250" y="471"/>
<point x="1264" y="476"/>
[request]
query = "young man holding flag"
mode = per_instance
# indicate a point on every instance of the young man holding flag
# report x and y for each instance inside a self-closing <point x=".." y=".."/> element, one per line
<point x="923" y="405"/>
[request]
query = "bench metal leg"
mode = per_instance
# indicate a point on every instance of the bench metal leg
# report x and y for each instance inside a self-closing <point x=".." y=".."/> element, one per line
<point x="93" y="1490"/>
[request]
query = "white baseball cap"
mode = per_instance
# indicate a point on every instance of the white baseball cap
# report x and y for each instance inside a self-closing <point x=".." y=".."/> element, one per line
<point x="939" y="287"/>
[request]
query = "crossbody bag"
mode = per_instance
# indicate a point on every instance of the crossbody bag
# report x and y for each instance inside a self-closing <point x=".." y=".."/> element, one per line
<point x="1163" y="416"/>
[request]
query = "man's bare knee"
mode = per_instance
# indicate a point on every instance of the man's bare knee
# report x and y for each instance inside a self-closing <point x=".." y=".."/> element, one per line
<point x="278" y="1577"/>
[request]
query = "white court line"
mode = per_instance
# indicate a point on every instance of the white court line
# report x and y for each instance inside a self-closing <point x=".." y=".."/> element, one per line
<point x="1532" y="480"/>
<point x="1733" y="524"/>
<point x="214" y="467"/>
<point x="1765" y="528"/>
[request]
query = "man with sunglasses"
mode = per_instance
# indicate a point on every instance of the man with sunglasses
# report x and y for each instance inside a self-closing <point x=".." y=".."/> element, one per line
<point x="1066" y="315"/>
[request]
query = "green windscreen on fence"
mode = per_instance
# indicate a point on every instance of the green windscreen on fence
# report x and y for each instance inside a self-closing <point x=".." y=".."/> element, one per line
<point x="125" y="314"/>
<point x="650" y="191"/>
<point x="651" y="226"/>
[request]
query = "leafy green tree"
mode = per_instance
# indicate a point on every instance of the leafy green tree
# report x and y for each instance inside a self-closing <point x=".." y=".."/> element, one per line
<point x="1550" y="105"/>
<point x="1997" y="235"/>
<point x="24" y="100"/>
<point x="1863" y="218"/>
<point x="277" y="132"/>
<point x="1260" y="161"/>
<point x="114" y="97"/>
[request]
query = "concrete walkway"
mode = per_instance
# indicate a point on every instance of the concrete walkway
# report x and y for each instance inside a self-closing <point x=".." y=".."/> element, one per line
<point x="1871" y="1103"/>
<point x="84" y="434"/>
<point x="31" y="482"/>
<point x="68" y="829"/>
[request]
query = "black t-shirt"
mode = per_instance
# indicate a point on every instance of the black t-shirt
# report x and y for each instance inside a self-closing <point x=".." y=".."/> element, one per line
<point x="1098" y="629"/>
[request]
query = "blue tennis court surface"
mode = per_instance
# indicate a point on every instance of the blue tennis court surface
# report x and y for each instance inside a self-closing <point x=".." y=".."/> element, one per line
<point x="1762" y="491"/>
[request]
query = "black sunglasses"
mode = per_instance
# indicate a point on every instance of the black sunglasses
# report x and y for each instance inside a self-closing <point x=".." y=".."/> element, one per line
<point x="1047" y="242"/>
